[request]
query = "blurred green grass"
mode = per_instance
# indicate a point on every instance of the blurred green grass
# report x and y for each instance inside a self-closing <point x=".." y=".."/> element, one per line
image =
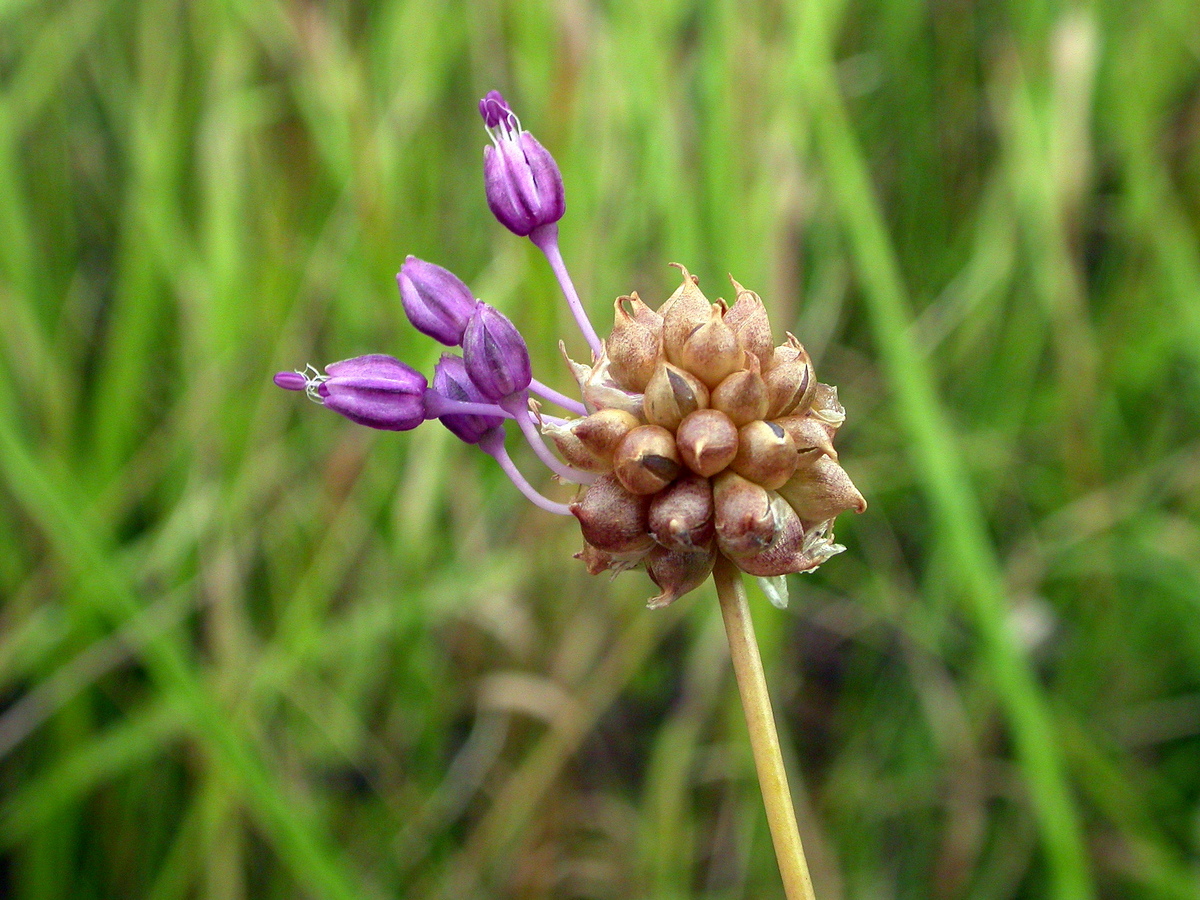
<point x="249" y="651"/>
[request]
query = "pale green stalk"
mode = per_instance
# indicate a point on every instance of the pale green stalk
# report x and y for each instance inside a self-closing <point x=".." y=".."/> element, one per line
<point x="764" y="739"/>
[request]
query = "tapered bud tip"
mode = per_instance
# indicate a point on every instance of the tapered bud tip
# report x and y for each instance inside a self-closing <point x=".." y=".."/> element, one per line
<point x="677" y="572"/>
<point x="494" y="109"/>
<point x="436" y="301"/>
<point x="495" y="354"/>
<point x="291" y="381"/>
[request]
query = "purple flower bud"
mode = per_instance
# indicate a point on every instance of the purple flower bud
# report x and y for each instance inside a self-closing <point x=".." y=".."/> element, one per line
<point x="523" y="184"/>
<point x="495" y="354"/>
<point x="450" y="379"/>
<point x="494" y="109"/>
<point x="435" y="300"/>
<point x="377" y="391"/>
<point x="291" y="381"/>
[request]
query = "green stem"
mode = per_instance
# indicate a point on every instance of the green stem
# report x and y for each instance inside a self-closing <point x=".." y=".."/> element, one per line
<point x="764" y="740"/>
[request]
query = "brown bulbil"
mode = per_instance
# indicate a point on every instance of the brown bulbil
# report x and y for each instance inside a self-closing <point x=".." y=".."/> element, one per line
<point x="633" y="347"/>
<point x="707" y="440"/>
<point x="676" y="572"/>
<point x="685" y="311"/>
<point x="786" y="554"/>
<point x="602" y="431"/>
<point x="742" y="515"/>
<point x="790" y="380"/>
<point x="612" y="519"/>
<point x="573" y="450"/>
<point x="671" y="395"/>
<point x="711" y="352"/>
<point x="681" y="517"/>
<point x="748" y="320"/>
<point x="766" y="454"/>
<point x="646" y="460"/>
<point x="811" y="437"/>
<point x="822" y="491"/>
<point x="743" y="395"/>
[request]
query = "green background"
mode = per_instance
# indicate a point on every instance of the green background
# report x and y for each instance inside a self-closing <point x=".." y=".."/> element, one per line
<point x="248" y="650"/>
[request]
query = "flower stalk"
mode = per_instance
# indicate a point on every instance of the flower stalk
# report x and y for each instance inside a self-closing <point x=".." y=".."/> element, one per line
<point x="546" y="240"/>
<point x="764" y="739"/>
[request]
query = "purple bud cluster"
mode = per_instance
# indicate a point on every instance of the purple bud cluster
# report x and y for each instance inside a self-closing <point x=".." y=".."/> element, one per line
<point x="381" y="392"/>
<point x="696" y="437"/>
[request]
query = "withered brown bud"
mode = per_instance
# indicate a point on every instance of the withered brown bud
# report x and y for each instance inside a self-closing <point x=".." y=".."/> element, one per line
<point x="612" y="519"/>
<point x="827" y="407"/>
<point x="811" y="437"/>
<point x="685" y="311"/>
<point x="744" y="521"/>
<point x="743" y="395"/>
<point x="673" y="394"/>
<point x="790" y="380"/>
<point x="602" y="431"/>
<point x="711" y="352"/>
<point x="822" y="491"/>
<point x="748" y="320"/>
<point x="633" y="347"/>
<point x="707" y="440"/>
<point x="646" y="460"/>
<point x="676" y="572"/>
<point x="766" y="454"/>
<point x="596" y="560"/>
<point x="681" y="517"/>
<point x="600" y="390"/>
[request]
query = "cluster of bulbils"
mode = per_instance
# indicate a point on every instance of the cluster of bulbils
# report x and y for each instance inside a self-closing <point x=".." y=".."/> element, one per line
<point x="696" y="435"/>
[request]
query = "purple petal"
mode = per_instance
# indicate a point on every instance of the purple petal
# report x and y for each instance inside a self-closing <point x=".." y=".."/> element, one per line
<point x="494" y="109"/>
<point x="291" y="381"/>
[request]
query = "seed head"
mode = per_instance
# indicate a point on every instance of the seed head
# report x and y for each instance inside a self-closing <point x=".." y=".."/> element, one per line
<point x="718" y="442"/>
<point x="673" y="394"/>
<point x="766" y="454"/>
<point x="743" y="395"/>
<point x="711" y="351"/>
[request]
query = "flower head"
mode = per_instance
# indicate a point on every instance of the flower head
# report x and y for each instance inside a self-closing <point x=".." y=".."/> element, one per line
<point x="697" y="437"/>
<point x="724" y="454"/>
<point x="521" y="179"/>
